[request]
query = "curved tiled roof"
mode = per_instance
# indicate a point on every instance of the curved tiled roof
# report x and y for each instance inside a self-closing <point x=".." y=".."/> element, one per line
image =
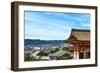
<point x="80" y="34"/>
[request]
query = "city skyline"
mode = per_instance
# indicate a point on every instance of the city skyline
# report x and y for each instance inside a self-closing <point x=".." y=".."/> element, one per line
<point x="52" y="25"/>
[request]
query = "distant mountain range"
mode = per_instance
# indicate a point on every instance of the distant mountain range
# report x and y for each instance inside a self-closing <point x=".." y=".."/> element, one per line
<point x="40" y="42"/>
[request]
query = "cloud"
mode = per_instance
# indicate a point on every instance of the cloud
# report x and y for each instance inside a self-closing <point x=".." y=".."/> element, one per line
<point x="52" y="26"/>
<point x="51" y="34"/>
<point x="85" y="25"/>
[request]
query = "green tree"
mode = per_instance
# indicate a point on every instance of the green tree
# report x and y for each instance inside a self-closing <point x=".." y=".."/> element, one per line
<point x="65" y="48"/>
<point x="56" y="49"/>
<point x="51" y="51"/>
<point x="28" y="58"/>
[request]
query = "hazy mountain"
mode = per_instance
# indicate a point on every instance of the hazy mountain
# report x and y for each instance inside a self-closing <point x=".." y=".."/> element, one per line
<point x="39" y="42"/>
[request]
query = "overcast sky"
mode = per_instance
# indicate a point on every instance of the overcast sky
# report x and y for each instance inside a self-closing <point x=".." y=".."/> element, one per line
<point x="53" y="26"/>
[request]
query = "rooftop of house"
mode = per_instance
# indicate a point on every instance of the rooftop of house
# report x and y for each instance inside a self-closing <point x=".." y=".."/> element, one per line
<point x="60" y="53"/>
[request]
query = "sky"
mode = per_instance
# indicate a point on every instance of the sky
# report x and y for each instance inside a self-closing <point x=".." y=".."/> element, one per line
<point x="53" y="25"/>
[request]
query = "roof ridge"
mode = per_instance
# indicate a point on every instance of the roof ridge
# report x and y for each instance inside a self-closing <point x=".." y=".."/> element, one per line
<point x="87" y="30"/>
